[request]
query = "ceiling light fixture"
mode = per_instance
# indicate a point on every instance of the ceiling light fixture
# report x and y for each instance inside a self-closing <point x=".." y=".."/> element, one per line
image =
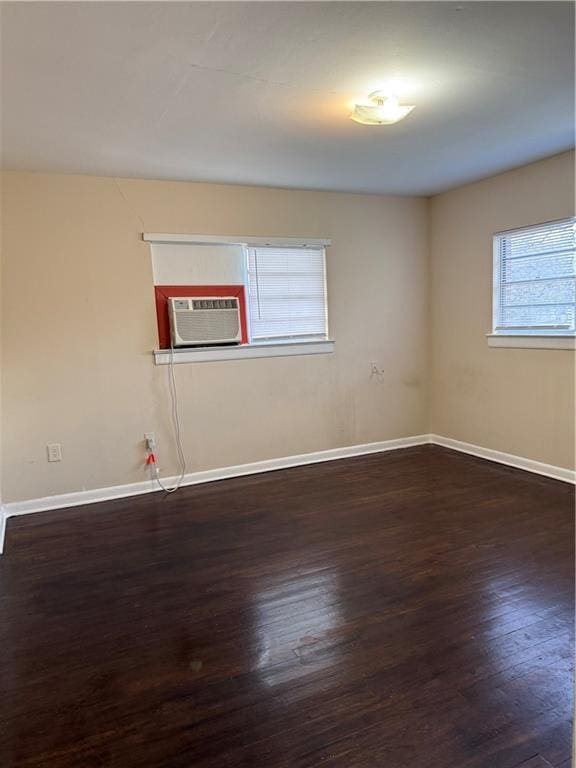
<point x="383" y="109"/>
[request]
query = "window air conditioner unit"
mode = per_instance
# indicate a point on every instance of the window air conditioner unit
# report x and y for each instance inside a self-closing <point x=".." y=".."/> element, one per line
<point x="204" y="321"/>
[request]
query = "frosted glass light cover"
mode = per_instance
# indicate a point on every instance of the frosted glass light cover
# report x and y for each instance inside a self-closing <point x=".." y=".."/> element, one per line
<point x="383" y="110"/>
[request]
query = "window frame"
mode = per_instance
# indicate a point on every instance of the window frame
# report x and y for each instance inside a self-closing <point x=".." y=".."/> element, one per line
<point x="288" y="348"/>
<point x="295" y="338"/>
<point x="535" y="338"/>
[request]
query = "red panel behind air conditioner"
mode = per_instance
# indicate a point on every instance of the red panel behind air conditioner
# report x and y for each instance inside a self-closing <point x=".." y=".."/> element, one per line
<point x="164" y="292"/>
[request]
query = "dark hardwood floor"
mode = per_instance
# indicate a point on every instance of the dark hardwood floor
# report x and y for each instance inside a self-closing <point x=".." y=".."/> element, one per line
<point x="405" y="610"/>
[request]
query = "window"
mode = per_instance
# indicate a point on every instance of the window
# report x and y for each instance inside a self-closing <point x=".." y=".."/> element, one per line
<point x="280" y="283"/>
<point x="287" y="294"/>
<point x="535" y="281"/>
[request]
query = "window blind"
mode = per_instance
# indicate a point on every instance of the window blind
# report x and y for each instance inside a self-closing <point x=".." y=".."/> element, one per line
<point x="287" y="293"/>
<point x="535" y="280"/>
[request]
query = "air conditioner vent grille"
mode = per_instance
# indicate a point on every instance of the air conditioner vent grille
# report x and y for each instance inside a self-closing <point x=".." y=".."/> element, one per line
<point x="206" y="325"/>
<point x="214" y="303"/>
<point x="210" y="320"/>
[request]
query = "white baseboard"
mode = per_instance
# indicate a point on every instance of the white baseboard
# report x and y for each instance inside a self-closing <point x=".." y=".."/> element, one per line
<point x="538" y="467"/>
<point x="80" y="498"/>
<point x="193" y="478"/>
<point x="2" y="527"/>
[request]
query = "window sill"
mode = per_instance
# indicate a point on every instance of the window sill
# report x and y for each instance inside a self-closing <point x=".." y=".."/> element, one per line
<point x="244" y="351"/>
<point x="531" y="342"/>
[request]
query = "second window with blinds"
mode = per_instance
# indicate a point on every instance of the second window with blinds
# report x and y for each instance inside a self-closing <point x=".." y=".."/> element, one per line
<point x="286" y="294"/>
<point x="534" y="294"/>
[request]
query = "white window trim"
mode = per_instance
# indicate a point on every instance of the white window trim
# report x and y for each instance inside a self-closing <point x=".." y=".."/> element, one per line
<point x="524" y="340"/>
<point x="278" y="242"/>
<point x="244" y="351"/>
<point x="530" y="342"/>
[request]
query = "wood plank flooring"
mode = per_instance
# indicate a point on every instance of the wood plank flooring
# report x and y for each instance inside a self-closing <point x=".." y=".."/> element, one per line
<point x="406" y="610"/>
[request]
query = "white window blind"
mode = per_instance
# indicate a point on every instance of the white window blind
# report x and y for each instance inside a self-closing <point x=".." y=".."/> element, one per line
<point x="287" y="293"/>
<point x="534" y="280"/>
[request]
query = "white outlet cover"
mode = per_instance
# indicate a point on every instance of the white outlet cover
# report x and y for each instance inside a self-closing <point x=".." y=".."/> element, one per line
<point x="54" y="451"/>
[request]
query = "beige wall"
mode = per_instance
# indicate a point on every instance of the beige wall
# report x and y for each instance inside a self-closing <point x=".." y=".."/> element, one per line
<point x="520" y="401"/>
<point x="78" y="327"/>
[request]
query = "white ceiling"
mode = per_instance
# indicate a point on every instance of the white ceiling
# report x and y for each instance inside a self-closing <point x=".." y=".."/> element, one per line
<point x="259" y="93"/>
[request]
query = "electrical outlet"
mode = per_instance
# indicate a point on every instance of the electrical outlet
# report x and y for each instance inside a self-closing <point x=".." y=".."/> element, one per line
<point x="150" y="438"/>
<point x="54" y="452"/>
